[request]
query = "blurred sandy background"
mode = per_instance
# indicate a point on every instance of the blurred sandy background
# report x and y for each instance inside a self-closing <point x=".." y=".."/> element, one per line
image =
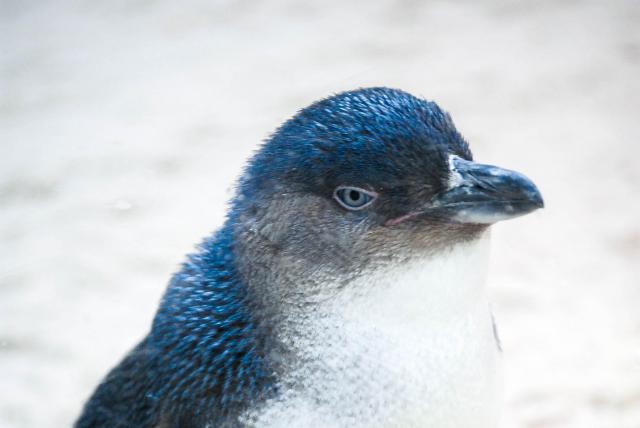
<point x="123" y="125"/>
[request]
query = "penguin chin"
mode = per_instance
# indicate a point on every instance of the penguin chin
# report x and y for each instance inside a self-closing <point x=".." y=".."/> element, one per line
<point x="456" y="271"/>
<point x="422" y="236"/>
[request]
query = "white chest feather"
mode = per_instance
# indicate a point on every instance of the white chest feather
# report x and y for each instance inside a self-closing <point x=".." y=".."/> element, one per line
<point x="406" y="346"/>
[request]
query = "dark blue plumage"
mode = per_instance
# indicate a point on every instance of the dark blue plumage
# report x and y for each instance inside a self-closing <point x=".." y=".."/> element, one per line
<point x="203" y="359"/>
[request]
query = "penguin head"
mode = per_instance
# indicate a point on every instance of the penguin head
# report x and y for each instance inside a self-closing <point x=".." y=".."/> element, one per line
<point x="367" y="176"/>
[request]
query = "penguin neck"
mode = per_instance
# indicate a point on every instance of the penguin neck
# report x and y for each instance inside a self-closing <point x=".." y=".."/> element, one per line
<point x="415" y="335"/>
<point x="409" y="311"/>
<point x="416" y="295"/>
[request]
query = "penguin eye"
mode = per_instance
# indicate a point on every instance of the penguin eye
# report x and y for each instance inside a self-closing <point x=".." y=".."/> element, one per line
<point x="353" y="198"/>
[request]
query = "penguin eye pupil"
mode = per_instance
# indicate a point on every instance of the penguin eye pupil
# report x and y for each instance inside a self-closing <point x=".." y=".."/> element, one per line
<point x="353" y="198"/>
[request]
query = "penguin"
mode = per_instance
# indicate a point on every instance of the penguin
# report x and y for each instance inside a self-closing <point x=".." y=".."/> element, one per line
<point x="346" y="287"/>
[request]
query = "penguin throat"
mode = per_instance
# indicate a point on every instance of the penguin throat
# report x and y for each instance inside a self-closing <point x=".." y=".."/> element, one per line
<point x="418" y="293"/>
<point x="414" y="336"/>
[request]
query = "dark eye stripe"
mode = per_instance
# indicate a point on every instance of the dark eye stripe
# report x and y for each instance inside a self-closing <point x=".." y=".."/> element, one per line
<point x="353" y="198"/>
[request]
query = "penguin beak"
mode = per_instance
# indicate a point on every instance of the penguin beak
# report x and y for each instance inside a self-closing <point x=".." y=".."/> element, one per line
<point x="485" y="194"/>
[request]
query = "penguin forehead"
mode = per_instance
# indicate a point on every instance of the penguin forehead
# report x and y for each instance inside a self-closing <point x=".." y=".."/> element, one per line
<point x="378" y="137"/>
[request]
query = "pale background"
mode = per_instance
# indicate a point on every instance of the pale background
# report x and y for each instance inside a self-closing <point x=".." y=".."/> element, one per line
<point x="123" y="125"/>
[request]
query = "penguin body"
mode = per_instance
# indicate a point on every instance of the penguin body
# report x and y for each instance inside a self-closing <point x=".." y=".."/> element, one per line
<point x="345" y="289"/>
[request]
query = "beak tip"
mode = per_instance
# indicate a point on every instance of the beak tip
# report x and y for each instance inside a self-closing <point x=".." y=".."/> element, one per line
<point x="537" y="200"/>
<point x="536" y="197"/>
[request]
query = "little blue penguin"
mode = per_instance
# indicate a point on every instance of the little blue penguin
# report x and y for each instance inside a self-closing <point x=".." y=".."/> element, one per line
<point x="346" y="287"/>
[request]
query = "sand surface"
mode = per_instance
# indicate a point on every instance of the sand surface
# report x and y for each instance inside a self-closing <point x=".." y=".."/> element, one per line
<point x="123" y="125"/>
